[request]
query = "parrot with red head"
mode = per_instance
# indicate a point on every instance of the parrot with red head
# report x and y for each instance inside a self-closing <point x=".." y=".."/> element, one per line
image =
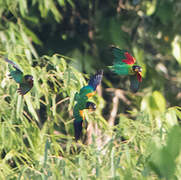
<point x="125" y="64"/>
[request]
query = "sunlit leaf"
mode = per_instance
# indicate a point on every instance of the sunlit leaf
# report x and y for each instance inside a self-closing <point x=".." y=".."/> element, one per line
<point x="176" y="48"/>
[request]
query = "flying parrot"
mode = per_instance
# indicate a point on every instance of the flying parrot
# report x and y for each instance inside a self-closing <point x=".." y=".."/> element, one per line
<point x="125" y="64"/>
<point x="25" y="81"/>
<point x="82" y="102"/>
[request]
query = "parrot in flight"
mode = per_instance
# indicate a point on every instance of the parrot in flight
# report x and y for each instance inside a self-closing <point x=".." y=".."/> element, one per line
<point x="125" y="64"/>
<point x="82" y="102"/>
<point x="25" y="81"/>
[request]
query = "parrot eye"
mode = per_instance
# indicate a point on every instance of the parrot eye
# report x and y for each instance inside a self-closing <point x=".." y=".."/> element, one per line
<point x="29" y="78"/>
<point x="91" y="105"/>
<point x="137" y="68"/>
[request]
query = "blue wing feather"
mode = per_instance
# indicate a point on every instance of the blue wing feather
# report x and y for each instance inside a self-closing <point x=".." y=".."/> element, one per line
<point x="13" y="64"/>
<point x="96" y="80"/>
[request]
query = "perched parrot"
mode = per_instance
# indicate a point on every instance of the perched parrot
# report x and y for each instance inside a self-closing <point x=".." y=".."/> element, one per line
<point x="82" y="102"/>
<point x="25" y="81"/>
<point x="125" y="64"/>
<point x="79" y="117"/>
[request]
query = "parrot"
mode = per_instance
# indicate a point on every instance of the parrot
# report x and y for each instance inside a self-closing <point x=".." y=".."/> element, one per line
<point x="82" y="102"/>
<point x="25" y="81"/>
<point x="125" y="64"/>
<point x="79" y="117"/>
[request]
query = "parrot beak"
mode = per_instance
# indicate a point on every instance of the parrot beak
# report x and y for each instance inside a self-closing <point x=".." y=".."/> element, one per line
<point x="138" y="69"/>
<point x="30" y="78"/>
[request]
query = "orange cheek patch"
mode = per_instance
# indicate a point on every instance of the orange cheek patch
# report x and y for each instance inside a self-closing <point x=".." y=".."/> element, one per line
<point x="82" y="114"/>
<point x="91" y="94"/>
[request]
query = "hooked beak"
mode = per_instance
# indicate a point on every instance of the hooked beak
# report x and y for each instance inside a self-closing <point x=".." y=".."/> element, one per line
<point x="138" y="69"/>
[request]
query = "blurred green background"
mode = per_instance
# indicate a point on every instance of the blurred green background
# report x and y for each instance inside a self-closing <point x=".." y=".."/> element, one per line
<point x="61" y="43"/>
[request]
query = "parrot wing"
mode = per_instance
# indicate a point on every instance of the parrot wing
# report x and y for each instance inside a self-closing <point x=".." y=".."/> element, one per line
<point x="120" y="69"/>
<point x="16" y="74"/>
<point x="122" y="56"/>
<point x="96" y="79"/>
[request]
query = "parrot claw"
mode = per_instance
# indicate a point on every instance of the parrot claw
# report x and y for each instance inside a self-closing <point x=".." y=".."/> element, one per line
<point x="20" y="91"/>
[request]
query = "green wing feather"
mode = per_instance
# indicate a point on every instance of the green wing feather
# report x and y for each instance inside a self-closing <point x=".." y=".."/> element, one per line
<point x="81" y="97"/>
<point x="15" y="72"/>
<point x="85" y="90"/>
<point x="119" y="67"/>
<point x="118" y="55"/>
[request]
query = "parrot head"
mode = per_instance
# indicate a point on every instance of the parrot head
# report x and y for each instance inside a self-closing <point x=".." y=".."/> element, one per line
<point x="137" y="69"/>
<point x="91" y="106"/>
<point x="29" y="79"/>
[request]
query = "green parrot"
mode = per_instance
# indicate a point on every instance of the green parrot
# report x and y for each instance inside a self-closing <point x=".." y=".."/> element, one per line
<point x="125" y="64"/>
<point x="82" y="102"/>
<point x="25" y="81"/>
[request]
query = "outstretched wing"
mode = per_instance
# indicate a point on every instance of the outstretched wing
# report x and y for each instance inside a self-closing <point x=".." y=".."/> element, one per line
<point x="96" y="79"/>
<point x="16" y="74"/>
<point x="122" y="56"/>
<point x="134" y="83"/>
<point x="13" y="64"/>
<point x="24" y="88"/>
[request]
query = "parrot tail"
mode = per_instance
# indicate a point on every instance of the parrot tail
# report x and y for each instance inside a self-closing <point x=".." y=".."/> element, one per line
<point x="78" y="129"/>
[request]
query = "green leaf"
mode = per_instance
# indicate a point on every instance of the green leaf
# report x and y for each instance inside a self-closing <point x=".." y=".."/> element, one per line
<point x="159" y="101"/>
<point x="162" y="161"/>
<point x="151" y="7"/>
<point x="33" y="36"/>
<point x="176" y="48"/>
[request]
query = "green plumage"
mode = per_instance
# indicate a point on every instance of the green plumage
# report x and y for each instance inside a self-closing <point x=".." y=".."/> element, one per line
<point x="119" y="67"/>
<point x="81" y="99"/>
<point x="82" y="102"/>
<point x="125" y="64"/>
<point x="15" y="73"/>
<point x="118" y="55"/>
<point x="25" y="81"/>
<point x="81" y="96"/>
<point x="76" y="112"/>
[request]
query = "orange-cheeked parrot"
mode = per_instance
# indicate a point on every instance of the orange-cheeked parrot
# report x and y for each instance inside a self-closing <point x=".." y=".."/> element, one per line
<point x="25" y="81"/>
<point x="82" y="102"/>
<point x="125" y="64"/>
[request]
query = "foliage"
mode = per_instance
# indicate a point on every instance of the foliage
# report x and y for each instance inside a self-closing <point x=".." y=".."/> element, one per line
<point x="56" y="41"/>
